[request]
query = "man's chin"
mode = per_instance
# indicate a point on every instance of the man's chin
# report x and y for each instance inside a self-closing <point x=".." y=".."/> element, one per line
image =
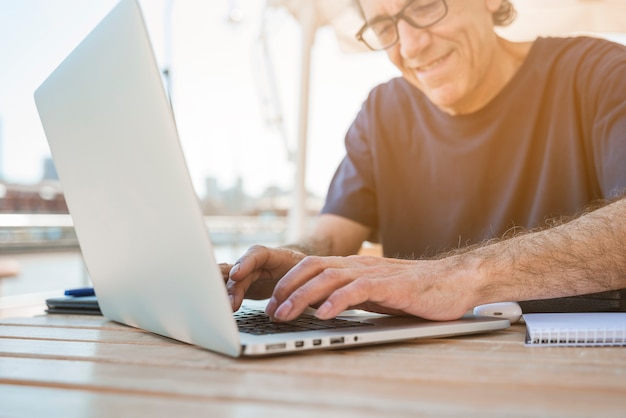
<point x="446" y="102"/>
<point x="443" y="96"/>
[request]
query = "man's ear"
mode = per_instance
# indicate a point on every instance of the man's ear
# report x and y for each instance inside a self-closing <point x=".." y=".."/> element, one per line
<point x="493" y="5"/>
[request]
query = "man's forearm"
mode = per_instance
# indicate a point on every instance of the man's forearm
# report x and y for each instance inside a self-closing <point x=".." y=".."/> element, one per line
<point x="311" y="247"/>
<point x="585" y="255"/>
<point x="332" y="235"/>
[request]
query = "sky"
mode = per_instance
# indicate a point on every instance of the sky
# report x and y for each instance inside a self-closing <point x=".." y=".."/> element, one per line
<point x="217" y="84"/>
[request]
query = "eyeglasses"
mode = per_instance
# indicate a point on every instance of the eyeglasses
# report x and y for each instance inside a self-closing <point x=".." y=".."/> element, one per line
<point x="382" y="32"/>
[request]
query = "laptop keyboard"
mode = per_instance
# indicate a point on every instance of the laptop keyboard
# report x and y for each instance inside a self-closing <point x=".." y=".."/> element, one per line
<point x="255" y="321"/>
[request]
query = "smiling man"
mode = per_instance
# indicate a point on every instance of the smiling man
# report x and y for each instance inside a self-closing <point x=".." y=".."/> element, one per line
<point x="459" y="67"/>
<point x="480" y="137"/>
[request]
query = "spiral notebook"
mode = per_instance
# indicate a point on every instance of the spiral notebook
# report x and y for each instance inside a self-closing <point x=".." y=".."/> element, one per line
<point x="576" y="329"/>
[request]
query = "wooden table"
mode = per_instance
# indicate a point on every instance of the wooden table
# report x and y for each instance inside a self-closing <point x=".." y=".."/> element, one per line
<point x="83" y="366"/>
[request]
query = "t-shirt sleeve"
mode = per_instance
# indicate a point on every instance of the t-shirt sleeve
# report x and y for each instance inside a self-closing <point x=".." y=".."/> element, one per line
<point x="352" y="191"/>
<point x="609" y="128"/>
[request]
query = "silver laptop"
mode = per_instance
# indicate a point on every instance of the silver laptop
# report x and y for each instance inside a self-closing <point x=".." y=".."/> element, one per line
<point x="114" y="142"/>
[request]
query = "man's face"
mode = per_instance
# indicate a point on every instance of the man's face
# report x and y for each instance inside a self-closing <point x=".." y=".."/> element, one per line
<point x="452" y="61"/>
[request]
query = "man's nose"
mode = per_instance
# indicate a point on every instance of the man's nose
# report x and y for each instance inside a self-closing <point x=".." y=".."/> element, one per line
<point x="412" y="40"/>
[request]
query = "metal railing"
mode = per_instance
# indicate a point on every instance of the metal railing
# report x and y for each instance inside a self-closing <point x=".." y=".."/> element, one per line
<point x="34" y="232"/>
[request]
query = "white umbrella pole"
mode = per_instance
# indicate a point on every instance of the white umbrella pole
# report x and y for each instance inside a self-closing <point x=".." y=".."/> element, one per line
<point x="298" y="212"/>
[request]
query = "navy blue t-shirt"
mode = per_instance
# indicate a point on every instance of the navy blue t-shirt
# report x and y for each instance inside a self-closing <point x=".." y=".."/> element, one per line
<point x="552" y="142"/>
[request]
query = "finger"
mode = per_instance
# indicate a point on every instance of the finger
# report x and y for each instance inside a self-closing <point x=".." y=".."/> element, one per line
<point x="256" y="272"/>
<point x="302" y="272"/>
<point x="277" y="261"/>
<point x="354" y="293"/>
<point x="308" y="288"/>
<point x="255" y="257"/>
<point x="313" y="293"/>
<point x="225" y="270"/>
<point x="248" y="269"/>
<point x="237" y="289"/>
<point x="372" y="290"/>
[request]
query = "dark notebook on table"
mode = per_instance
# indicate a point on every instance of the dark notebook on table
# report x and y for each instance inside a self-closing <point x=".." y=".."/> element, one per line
<point x="83" y="305"/>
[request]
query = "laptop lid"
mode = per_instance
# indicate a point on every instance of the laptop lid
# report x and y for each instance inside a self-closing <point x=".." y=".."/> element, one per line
<point x="114" y="142"/>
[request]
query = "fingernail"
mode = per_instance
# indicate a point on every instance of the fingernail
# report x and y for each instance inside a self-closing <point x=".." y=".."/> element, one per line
<point x="233" y="270"/>
<point x="283" y="310"/>
<point x="271" y="306"/>
<point x="322" y="311"/>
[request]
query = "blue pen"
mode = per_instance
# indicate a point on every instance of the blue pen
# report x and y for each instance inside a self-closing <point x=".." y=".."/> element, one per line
<point x="83" y="291"/>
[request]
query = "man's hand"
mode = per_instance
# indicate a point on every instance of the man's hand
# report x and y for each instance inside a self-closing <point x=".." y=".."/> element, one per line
<point x="429" y="289"/>
<point x="256" y="273"/>
<point x="585" y="255"/>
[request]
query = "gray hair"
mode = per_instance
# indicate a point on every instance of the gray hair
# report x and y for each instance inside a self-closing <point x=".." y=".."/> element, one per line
<point x="505" y="15"/>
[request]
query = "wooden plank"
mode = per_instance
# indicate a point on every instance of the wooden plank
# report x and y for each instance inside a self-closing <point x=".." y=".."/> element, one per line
<point x="438" y="360"/>
<point x="24" y="401"/>
<point x="116" y="335"/>
<point x="157" y="355"/>
<point x="378" y="397"/>
<point x="67" y="321"/>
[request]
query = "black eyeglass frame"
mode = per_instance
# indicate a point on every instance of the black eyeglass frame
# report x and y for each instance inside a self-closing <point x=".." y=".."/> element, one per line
<point x="395" y="19"/>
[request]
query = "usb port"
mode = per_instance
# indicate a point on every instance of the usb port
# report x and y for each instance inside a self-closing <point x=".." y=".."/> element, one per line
<point x="299" y="344"/>
<point x="279" y="346"/>
<point x="317" y="342"/>
<point x="337" y="340"/>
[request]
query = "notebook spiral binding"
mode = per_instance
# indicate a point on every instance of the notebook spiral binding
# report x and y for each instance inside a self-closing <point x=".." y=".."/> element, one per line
<point x="577" y="337"/>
